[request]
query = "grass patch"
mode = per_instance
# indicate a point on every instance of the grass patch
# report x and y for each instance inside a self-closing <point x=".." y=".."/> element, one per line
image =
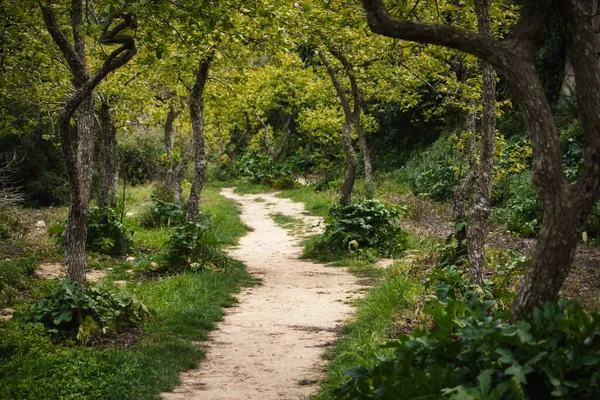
<point x="317" y="203"/>
<point x="377" y="315"/>
<point x="242" y="187"/>
<point x="186" y="307"/>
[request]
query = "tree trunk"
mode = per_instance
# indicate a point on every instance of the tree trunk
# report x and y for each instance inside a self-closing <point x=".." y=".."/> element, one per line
<point x="565" y="206"/>
<point x="266" y="139"/>
<point x="107" y="159"/>
<point x="481" y="207"/>
<point x="463" y="189"/>
<point x="286" y="139"/>
<point x="351" y="163"/>
<point x="75" y="232"/>
<point x="178" y="171"/>
<point x="168" y="140"/>
<point x="350" y="173"/>
<point x="79" y="154"/>
<point x="366" y="153"/>
<point x="356" y="120"/>
<point x="193" y="204"/>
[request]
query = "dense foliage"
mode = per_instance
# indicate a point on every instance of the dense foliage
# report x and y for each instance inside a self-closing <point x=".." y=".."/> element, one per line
<point x="263" y="169"/>
<point x="106" y="233"/>
<point x="71" y="313"/>
<point x="162" y="212"/>
<point x="467" y="349"/>
<point x="193" y="246"/>
<point x="368" y="224"/>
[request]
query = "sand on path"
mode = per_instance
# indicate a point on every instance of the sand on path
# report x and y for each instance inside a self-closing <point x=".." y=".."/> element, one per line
<point x="270" y="345"/>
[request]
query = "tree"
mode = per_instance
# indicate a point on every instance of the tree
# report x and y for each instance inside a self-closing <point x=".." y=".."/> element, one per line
<point x="481" y="207"/>
<point x="78" y="153"/>
<point x="565" y="206"/>
<point x="350" y="172"/>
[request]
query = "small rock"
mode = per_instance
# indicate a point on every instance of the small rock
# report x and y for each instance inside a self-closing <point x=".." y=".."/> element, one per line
<point x="153" y="264"/>
<point x="130" y="259"/>
<point x="40" y="224"/>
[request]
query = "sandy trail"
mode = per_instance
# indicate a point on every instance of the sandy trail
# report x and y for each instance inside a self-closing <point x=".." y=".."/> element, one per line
<point x="270" y="345"/>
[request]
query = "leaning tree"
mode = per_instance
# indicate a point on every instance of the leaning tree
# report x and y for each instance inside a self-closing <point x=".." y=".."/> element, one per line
<point x="565" y="206"/>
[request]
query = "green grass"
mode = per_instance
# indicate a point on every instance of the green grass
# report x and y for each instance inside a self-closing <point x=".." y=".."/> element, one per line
<point x="384" y="307"/>
<point x="317" y="203"/>
<point x="186" y="307"/>
<point x="242" y="187"/>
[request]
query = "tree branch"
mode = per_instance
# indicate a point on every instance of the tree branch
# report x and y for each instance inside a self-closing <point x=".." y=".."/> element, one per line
<point x="499" y="54"/>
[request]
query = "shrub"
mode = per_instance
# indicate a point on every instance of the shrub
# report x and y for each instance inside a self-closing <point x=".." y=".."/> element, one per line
<point x="162" y="213"/>
<point x="140" y="158"/>
<point x="69" y="313"/>
<point x="474" y="353"/>
<point x="429" y="172"/>
<point x="368" y="224"/>
<point x="11" y="226"/>
<point x="263" y="169"/>
<point x="193" y="246"/>
<point x="106" y="234"/>
<point x="15" y="275"/>
<point x="521" y="211"/>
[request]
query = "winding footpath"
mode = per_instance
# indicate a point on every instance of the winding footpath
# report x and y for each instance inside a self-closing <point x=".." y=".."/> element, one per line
<point x="270" y="345"/>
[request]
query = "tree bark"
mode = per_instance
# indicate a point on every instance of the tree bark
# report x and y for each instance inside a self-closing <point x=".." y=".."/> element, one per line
<point x="356" y="119"/>
<point x="168" y="140"/>
<point x="351" y="163"/>
<point x="463" y="190"/>
<point x="481" y="207"/>
<point x="195" y="102"/>
<point x="266" y="139"/>
<point x="78" y="153"/>
<point x="178" y="171"/>
<point x="107" y="159"/>
<point x="565" y="206"/>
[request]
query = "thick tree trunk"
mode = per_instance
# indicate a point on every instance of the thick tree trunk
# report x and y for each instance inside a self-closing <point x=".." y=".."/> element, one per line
<point x="107" y="159"/>
<point x="168" y="141"/>
<point x="565" y="207"/>
<point x="351" y="163"/>
<point x="79" y="154"/>
<point x="76" y="230"/>
<point x="195" y="101"/>
<point x="481" y="207"/>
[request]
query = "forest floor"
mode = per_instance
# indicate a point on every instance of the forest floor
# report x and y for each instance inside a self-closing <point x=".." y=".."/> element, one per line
<point x="434" y="220"/>
<point x="270" y="346"/>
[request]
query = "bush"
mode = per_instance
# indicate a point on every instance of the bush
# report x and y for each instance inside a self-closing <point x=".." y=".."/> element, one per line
<point x="69" y="313"/>
<point x="15" y="275"/>
<point x="521" y="211"/>
<point x="140" y="158"/>
<point x="162" y="213"/>
<point x="474" y="353"/>
<point x="369" y="224"/>
<point x="106" y="234"/>
<point x="429" y="172"/>
<point x="193" y="246"/>
<point x="11" y="226"/>
<point x="263" y="169"/>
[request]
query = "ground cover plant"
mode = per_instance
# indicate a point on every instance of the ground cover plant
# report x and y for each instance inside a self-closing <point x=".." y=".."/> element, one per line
<point x="129" y="352"/>
<point x="365" y="225"/>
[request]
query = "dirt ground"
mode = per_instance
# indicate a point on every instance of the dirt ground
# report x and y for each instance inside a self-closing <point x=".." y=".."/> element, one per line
<point x="270" y="345"/>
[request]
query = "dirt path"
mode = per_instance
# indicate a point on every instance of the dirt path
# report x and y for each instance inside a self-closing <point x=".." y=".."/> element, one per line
<point x="270" y="346"/>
